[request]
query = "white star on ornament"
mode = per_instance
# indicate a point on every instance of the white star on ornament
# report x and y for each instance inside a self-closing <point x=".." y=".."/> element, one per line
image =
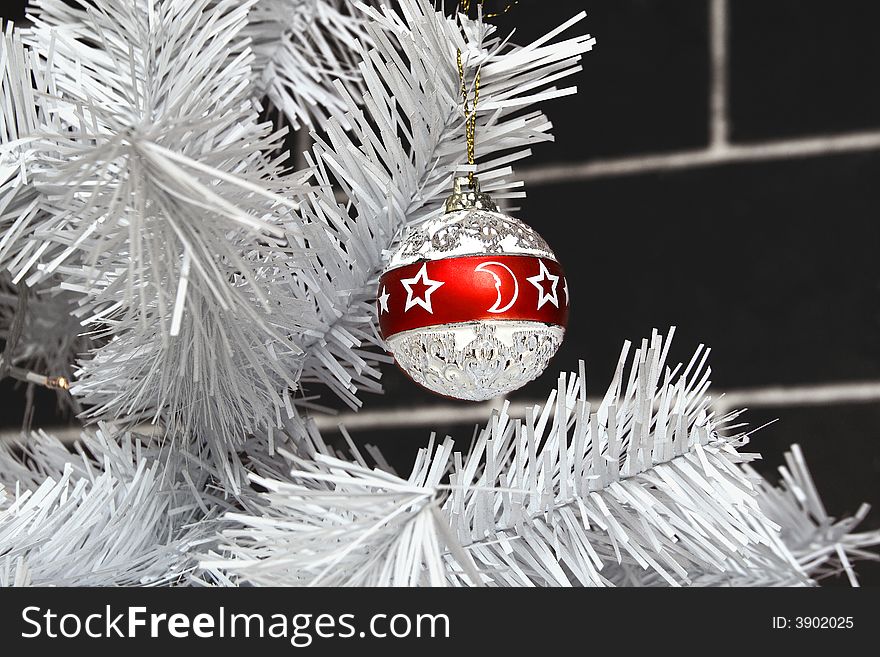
<point x="544" y="276"/>
<point x="429" y="287"/>
<point x="383" y="300"/>
<point x="565" y="289"/>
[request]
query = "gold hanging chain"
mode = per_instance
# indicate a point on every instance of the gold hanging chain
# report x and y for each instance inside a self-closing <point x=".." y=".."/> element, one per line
<point x="470" y="113"/>
<point x="466" y="6"/>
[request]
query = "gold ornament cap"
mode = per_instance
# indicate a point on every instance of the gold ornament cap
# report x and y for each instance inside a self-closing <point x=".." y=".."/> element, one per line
<point x="469" y="200"/>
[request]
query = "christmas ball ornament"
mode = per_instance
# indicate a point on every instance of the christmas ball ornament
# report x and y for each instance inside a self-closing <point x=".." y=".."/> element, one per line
<point x="472" y="304"/>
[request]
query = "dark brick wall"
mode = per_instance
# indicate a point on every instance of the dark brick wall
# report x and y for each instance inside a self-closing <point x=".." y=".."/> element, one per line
<point x="803" y="66"/>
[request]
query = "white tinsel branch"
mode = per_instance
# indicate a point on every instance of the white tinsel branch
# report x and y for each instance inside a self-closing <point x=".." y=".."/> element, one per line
<point x="641" y="490"/>
<point x="19" y="201"/>
<point x="531" y="503"/>
<point x="162" y="206"/>
<point x="110" y="514"/>
<point x="303" y="48"/>
<point x="822" y="544"/>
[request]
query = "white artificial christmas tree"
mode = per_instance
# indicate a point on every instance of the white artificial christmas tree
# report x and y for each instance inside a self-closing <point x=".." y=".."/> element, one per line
<point x="200" y="285"/>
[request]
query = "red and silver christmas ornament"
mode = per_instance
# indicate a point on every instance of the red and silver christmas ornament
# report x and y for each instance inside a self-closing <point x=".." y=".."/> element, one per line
<point x="473" y="304"/>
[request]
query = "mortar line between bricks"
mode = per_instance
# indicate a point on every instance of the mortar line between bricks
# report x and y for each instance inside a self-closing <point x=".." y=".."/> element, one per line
<point x="719" y="74"/>
<point x="430" y="416"/>
<point x="819" y="146"/>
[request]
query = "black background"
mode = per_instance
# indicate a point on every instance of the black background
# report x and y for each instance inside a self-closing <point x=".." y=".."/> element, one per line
<point x="772" y="264"/>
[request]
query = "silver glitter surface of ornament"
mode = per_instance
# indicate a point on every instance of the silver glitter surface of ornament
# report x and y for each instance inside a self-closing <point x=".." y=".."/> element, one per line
<point x="476" y="361"/>
<point x="469" y="232"/>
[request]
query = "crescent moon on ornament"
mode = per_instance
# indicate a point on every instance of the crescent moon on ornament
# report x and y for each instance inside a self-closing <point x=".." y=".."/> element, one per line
<point x="497" y="308"/>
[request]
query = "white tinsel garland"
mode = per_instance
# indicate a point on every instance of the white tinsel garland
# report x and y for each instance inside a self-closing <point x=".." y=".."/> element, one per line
<point x="642" y="490"/>
<point x="303" y="48"/>
<point x="117" y="513"/>
<point x="162" y="205"/>
<point x="665" y="499"/>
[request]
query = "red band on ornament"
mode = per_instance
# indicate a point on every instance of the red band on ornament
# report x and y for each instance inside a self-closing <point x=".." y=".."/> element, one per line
<point x="472" y="288"/>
